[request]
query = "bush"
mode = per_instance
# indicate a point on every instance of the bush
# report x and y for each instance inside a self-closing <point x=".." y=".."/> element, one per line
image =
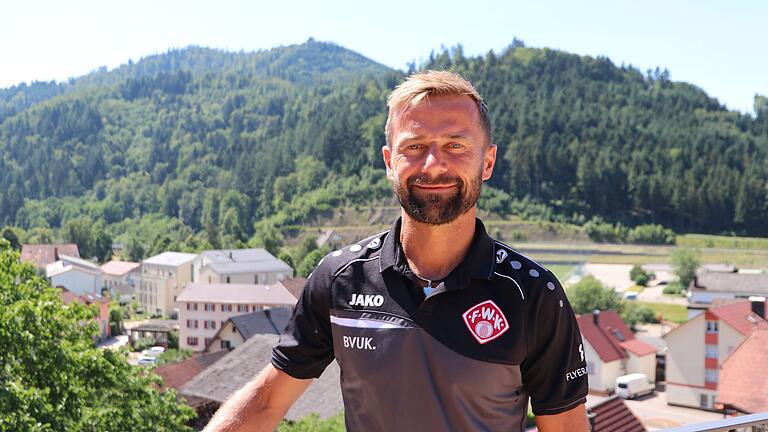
<point x="144" y="343"/>
<point x="651" y="234"/>
<point x="589" y="294"/>
<point x="673" y="288"/>
<point x="685" y="262"/>
<point x="637" y="313"/>
<point x="602" y="232"/>
<point x="640" y="276"/>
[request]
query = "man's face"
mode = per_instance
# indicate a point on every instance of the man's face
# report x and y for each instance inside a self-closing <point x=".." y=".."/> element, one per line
<point x="439" y="158"/>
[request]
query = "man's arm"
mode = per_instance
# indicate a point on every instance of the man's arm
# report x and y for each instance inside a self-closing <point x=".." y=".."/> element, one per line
<point x="575" y="419"/>
<point x="261" y="404"/>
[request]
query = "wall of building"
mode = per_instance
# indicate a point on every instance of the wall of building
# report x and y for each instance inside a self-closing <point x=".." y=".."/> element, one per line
<point x="689" y="395"/>
<point x="217" y="316"/>
<point x="706" y="297"/>
<point x="161" y="285"/>
<point x="207" y="275"/>
<point x="78" y="282"/>
<point x="685" y="362"/>
<point x="227" y="334"/>
<point x="644" y="365"/>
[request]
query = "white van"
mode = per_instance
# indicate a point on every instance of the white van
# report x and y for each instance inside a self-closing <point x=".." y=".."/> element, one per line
<point x="633" y="385"/>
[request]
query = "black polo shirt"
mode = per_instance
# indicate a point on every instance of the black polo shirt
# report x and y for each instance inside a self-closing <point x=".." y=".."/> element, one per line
<point x="468" y="356"/>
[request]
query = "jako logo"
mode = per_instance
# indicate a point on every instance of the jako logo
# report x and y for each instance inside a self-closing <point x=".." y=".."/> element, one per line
<point x="485" y="321"/>
<point x="366" y="300"/>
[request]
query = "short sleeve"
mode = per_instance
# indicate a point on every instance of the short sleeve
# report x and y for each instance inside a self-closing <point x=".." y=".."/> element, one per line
<point x="555" y="369"/>
<point x="306" y="345"/>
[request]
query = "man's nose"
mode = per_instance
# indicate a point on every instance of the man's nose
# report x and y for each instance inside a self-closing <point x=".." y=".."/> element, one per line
<point x="434" y="163"/>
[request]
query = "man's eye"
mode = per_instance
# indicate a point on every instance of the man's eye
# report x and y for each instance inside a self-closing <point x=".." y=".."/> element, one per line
<point x="413" y="146"/>
<point x="455" y="145"/>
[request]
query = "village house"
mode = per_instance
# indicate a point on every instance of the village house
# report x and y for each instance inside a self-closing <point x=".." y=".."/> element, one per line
<point x="75" y="274"/>
<point x="240" y="328"/>
<point x="41" y="255"/>
<point x="218" y="382"/>
<point x="712" y="283"/>
<point x="163" y="277"/>
<point x="101" y="303"/>
<point x="697" y="349"/>
<point x="612" y="350"/>
<point x="205" y="308"/>
<point x="240" y="266"/>
<point x="121" y="278"/>
<point x="742" y="389"/>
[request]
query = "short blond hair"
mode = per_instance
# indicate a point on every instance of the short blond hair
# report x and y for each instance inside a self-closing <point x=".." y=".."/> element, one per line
<point x="421" y="85"/>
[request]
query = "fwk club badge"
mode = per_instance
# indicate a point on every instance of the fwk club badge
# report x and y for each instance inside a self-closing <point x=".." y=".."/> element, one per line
<point x="485" y="321"/>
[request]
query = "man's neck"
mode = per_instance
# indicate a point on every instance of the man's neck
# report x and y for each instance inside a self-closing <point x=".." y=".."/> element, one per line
<point x="433" y="251"/>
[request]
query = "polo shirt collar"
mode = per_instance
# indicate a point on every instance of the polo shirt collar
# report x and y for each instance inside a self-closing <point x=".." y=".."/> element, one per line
<point x="478" y="264"/>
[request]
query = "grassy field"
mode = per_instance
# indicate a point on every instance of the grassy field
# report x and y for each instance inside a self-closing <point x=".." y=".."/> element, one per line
<point x="721" y="242"/>
<point x="671" y="312"/>
<point x="561" y="271"/>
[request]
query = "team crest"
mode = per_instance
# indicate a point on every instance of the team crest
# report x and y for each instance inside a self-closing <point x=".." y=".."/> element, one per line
<point x="485" y="321"/>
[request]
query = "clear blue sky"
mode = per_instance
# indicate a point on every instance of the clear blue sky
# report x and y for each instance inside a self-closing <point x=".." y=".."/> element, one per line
<point x="720" y="46"/>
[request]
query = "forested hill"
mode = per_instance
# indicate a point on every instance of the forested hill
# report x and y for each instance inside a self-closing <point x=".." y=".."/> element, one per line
<point x="198" y="147"/>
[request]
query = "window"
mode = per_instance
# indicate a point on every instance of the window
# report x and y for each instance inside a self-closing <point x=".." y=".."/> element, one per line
<point x="209" y="324"/>
<point x="255" y="279"/>
<point x="242" y="308"/>
<point x="207" y="341"/>
<point x="228" y="279"/>
<point x="704" y="400"/>
<point x="174" y="299"/>
<point x="257" y="308"/>
<point x="711" y="326"/>
<point x="223" y="323"/>
<point x="225" y="344"/>
<point x="711" y="351"/>
<point x="192" y="341"/>
<point x="710" y="375"/>
<point x="226" y="308"/>
<point x="189" y="324"/>
<point x="209" y="279"/>
<point x="210" y="307"/>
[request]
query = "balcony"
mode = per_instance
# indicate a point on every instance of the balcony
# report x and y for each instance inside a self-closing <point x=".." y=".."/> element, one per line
<point x="747" y="423"/>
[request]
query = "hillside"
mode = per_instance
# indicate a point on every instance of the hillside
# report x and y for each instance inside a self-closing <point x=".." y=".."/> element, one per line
<point x="198" y="147"/>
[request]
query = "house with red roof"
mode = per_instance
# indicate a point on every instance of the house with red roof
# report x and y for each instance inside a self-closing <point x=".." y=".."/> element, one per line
<point x="740" y="388"/>
<point x="698" y="348"/>
<point x="612" y="350"/>
<point x="41" y="255"/>
<point x="101" y="303"/>
<point x="121" y="278"/>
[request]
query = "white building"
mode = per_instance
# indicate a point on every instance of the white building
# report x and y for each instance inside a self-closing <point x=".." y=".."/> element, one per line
<point x="697" y="349"/>
<point x="121" y="278"/>
<point x="205" y="308"/>
<point x="713" y="283"/>
<point x="241" y="266"/>
<point x="163" y="277"/>
<point x="75" y="274"/>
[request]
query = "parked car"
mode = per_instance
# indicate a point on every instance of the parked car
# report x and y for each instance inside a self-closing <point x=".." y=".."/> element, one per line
<point x="634" y="385"/>
<point x="155" y="351"/>
<point x="147" y="360"/>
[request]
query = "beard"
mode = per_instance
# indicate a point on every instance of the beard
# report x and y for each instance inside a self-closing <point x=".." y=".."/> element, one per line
<point x="433" y="208"/>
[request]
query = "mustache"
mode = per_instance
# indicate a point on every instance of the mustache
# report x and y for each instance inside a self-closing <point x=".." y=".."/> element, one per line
<point x="425" y="179"/>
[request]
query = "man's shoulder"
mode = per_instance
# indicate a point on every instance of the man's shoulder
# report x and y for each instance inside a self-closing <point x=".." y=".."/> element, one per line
<point x="335" y="262"/>
<point x="529" y="274"/>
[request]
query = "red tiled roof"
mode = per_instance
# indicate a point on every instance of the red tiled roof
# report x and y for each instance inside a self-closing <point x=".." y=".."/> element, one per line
<point x="741" y="386"/>
<point x="612" y="415"/>
<point x="40" y="255"/>
<point x="638" y="347"/>
<point x="119" y="268"/>
<point x="606" y="339"/>
<point x="739" y="315"/>
<point x="294" y="286"/>
<point x="176" y="375"/>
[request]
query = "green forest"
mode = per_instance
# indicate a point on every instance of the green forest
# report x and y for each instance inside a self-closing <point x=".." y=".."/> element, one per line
<point x="199" y="148"/>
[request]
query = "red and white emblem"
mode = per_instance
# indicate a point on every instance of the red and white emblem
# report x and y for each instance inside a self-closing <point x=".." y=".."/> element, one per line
<point x="485" y="321"/>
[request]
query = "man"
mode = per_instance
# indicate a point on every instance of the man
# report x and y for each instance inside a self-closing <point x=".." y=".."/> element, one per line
<point x="434" y="325"/>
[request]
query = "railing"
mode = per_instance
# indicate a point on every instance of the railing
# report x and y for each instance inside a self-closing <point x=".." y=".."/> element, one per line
<point x="748" y="423"/>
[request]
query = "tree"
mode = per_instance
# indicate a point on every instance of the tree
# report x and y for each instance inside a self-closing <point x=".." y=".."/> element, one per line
<point x="309" y="262"/>
<point x="640" y="276"/>
<point x="9" y="234"/>
<point x="686" y="262"/>
<point x="134" y="250"/>
<point x="589" y="294"/>
<point x="78" y="231"/>
<point x="634" y="313"/>
<point x="267" y="236"/>
<point x="54" y="379"/>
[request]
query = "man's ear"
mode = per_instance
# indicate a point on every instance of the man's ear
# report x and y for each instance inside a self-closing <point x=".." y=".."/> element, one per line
<point x="489" y="161"/>
<point x="386" y="154"/>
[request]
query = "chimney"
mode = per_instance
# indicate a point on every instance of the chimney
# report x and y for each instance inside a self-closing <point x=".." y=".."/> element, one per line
<point x="55" y="253"/>
<point x="758" y="305"/>
<point x="596" y="317"/>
